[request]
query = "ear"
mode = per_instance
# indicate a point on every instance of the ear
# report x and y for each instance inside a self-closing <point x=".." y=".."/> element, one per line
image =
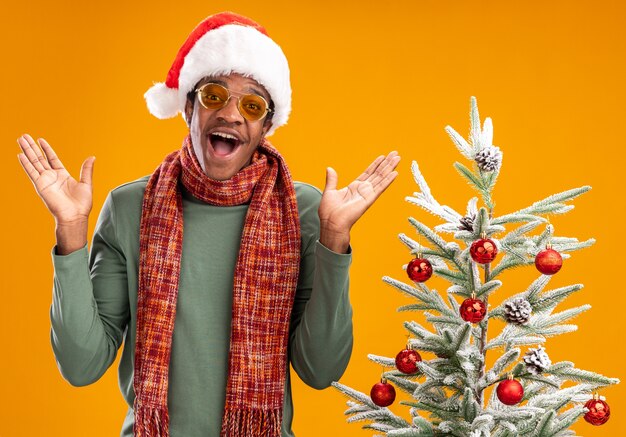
<point x="189" y="105"/>
<point x="267" y="125"/>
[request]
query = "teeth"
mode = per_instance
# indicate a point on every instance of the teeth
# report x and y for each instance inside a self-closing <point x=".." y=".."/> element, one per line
<point x="225" y="135"/>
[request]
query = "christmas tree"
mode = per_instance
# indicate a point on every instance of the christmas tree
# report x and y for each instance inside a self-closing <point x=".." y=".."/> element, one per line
<point x="530" y="396"/>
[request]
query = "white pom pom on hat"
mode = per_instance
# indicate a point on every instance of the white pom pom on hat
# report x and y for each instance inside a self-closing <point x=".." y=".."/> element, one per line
<point x="224" y="43"/>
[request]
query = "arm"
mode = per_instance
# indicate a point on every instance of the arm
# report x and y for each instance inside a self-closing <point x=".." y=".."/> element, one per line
<point x="90" y="307"/>
<point x="90" y="301"/>
<point x="321" y="325"/>
<point x="321" y="322"/>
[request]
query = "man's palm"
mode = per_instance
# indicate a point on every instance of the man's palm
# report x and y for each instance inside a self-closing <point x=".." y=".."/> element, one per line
<point x="67" y="199"/>
<point x="340" y="209"/>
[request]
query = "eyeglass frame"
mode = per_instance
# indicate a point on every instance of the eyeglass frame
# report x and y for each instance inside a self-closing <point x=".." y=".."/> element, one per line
<point x="268" y="109"/>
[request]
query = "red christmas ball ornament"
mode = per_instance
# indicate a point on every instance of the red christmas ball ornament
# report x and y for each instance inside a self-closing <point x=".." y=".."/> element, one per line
<point x="406" y="361"/>
<point x="510" y="392"/>
<point x="383" y="394"/>
<point x="599" y="411"/>
<point x="473" y="310"/>
<point x="483" y="251"/>
<point x="419" y="269"/>
<point x="548" y="261"/>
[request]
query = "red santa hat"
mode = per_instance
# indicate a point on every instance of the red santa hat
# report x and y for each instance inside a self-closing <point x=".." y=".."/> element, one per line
<point x="224" y="43"/>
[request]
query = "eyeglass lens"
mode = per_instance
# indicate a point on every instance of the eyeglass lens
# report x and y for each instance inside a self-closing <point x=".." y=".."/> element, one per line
<point x="214" y="96"/>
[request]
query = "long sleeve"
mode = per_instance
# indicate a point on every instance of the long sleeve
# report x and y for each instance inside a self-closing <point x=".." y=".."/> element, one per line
<point x="90" y="307"/>
<point x="321" y="324"/>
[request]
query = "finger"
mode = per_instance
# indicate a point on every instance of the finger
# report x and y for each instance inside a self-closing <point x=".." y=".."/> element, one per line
<point x="52" y="157"/>
<point x="384" y="184"/>
<point x="385" y="167"/>
<point x="31" y="171"/>
<point x="331" y="179"/>
<point x="370" y="169"/>
<point x="86" y="170"/>
<point x="30" y="154"/>
<point x="38" y="153"/>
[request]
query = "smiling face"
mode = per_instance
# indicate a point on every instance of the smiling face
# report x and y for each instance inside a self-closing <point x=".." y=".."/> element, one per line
<point x="223" y="139"/>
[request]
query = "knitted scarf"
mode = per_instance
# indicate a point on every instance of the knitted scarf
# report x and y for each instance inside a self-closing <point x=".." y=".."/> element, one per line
<point x="264" y="287"/>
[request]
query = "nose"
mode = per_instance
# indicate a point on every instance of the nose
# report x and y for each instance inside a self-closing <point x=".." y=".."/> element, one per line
<point x="230" y="112"/>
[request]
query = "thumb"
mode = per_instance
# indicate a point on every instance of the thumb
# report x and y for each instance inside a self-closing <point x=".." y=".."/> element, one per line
<point x="86" y="170"/>
<point x="331" y="179"/>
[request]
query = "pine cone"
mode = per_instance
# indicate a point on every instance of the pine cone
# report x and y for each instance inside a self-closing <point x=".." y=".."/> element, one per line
<point x="489" y="159"/>
<point x="517" y="311"/>
<point x="467" y="223"/>
<point x="537" y="360"/>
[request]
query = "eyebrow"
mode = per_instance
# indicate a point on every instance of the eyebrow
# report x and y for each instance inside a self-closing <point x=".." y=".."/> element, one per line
<point x="225" y="85"/>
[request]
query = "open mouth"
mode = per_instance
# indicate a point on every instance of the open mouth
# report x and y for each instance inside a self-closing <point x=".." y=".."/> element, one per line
<point x="223" y="144"/>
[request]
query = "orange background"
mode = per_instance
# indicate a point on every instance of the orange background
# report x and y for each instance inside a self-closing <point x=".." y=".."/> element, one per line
<point x="367" y="79"/>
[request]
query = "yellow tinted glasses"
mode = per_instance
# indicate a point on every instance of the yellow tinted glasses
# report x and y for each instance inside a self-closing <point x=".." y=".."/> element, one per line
<point x="214" y="96"/>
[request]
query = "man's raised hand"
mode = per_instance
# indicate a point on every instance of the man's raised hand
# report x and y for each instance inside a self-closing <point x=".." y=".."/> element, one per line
<point x="340" y="209"/>
<point x="68" y="200"/>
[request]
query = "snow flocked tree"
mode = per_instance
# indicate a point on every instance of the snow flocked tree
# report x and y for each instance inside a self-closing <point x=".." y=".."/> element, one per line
<point x="532" y="396"/>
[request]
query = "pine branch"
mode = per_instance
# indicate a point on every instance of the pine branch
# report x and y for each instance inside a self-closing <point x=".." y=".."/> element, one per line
<point x="431" y="236"/>
<point x="520" y="231"/>
<point x="402" y="287"/>
<point x="512" y="336"/>
<point x="541" y="379"/>
<point x="416" y="248"/>
<point x="561" y="317"/>
<point x="430" y="299"/>
<point x="550" y="299"/>
<point x="533" y="295"/>
<point x="471" y="178"/>
<point x="562" y="248"/>
<point x="356" y="408"/>
<point x="487" y="288"/>
<point x="410" y="432"/>
<point x="537" y="287"/>
<point x="378" y="427"/>
<point x="533" y="328"/>
<point x="577" y="375"/>
<point x="383" y="361"/>
<point x="516" y="414"/>
<point x="516" y="217"/>
<point x="430" y="371"/>
<point x="544" y="428"/>
<point x="489" y="181"/>
<point x="469" y="406"/>
<point x="402" y="382"/>
<point x="460" y="143"/>
<point x="461" y="337"/>
<point x="418" y="330"/>
<point x="426" y="201"/>
<point x="381" y="415"/>
<point x="356" y="395"/>
<point x="567" y="419"/>
<point x="558" y="398"/>
<point x="509" y="261"/>
<point x="475" y="126"/>
<point x="553" y="203"/>
<point x="502" y="363"/>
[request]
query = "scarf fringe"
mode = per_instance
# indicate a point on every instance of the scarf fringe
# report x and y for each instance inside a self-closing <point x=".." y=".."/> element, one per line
<point x="151" y="422"/>
<point x="256" y="422"/>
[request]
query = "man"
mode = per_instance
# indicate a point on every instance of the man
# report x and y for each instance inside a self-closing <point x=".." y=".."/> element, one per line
<point x="216" y="271"/>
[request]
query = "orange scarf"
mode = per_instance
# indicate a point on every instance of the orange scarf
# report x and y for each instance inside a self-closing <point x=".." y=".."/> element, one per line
<point x="264" y="287"/>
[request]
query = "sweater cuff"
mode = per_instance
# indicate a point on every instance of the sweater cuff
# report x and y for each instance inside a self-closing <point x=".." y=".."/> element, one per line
<point x="339" y="259"/>
<point x="71" y="260"/>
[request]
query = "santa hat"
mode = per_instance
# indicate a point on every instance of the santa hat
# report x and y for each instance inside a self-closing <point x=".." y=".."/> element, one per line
<point x="222" y="44"/>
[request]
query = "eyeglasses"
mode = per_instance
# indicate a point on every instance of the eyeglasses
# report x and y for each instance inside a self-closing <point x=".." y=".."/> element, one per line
<point x="214" y="96"/>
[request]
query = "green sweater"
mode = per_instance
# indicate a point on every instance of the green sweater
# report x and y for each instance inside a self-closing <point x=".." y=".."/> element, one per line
<point x="94" y="307"/>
